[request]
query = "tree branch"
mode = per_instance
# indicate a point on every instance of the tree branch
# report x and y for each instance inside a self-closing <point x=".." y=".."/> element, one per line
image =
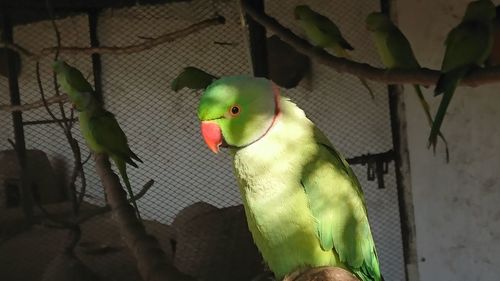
<point x="423" y="76"/>
<point x="119" y="50"/>
<point x="322" y="274"/>
<point x="107" y="208"/>
<point x="153" y="264"/>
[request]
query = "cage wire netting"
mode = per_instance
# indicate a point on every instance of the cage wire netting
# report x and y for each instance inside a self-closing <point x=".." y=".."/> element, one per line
<point x="162" y="126"/>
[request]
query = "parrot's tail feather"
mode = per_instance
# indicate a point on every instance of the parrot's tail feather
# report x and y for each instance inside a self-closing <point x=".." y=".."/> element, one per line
<point x="122" y="168"/>
<point x="365" y="83"/>
<point x="448" y="81"/>
<point x="427" y="111"/>
<point x="134" y="156"/>
<point x="447" y="84"/>
<point x="341" y="52"/>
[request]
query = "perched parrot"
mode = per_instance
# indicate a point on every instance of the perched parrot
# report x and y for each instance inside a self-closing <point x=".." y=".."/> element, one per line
<point x="303" y="203"/>
<point x="396" y="53"/>
<point x="324" y="33"/>
<point x="97" y="125"/>
<point x="192" y="78"/>
<point x="468" y="45"/>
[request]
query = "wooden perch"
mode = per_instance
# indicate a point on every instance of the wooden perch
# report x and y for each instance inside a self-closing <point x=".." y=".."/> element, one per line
<point x="423" y="76"/>
<point x="322" y="274"/>
<point x="153" y="264"/>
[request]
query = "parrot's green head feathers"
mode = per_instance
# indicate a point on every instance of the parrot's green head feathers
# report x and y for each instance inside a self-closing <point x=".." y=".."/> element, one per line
<point x="481" y="10"/>
<point x="302" y="12"/>
<point x="60" y="66"/>
<point x="377" y="21"/>
<point x="237" y="111"/>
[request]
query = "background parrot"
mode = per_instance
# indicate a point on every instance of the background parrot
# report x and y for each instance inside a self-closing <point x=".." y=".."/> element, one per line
<point x="395" y="52"/>
<point x="322" y="32"/>
<point x="467" y="46"/>
<point x="97" y="125"/>
<point x="192" y="78"/>
<point x="303" y="203"/>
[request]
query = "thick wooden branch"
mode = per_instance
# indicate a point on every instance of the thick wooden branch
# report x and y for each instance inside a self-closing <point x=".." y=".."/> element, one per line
<point x="119" y="50"/>
<point x="322" y="274"/>
<point x="421" y="76"/>
<point x="153" y="264"/>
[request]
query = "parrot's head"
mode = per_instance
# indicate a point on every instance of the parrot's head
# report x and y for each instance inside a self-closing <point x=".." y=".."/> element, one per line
<point x="377" y="21"/>
<point x="59" y="66"/>
<point x="481" y="10"/>
<point x="302" y="12"/>
<point x="236" y="111"/>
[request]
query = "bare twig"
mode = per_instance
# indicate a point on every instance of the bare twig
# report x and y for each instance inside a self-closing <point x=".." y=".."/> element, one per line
<point x="153" y="263"/>
<point x="118" y="50"/>
<point x="40" y="122"/>
<point x="17" y="48"/>
<point x="422" y="76"/>
<point x="107" y="208"/>
<point x="44" y="100"/>
<point x="34" y="105"/>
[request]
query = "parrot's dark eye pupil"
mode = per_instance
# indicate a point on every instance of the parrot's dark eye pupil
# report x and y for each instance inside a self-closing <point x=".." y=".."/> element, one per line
<point x="235" y="110"/>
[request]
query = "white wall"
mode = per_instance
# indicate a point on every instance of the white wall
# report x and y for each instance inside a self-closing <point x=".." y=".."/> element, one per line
<point x="457" y="209"/>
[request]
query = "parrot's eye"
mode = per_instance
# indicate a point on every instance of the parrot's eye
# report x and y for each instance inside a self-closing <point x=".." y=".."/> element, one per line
<point x="235" y="110"/>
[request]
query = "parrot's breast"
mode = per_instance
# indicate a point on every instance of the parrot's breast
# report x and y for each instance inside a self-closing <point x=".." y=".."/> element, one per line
<point x="276" y="205"/>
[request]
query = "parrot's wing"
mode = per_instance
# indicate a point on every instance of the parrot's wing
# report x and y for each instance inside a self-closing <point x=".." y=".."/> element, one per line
<point x="76" y="80"/>
<point x="468" y="43"/>
<point x="401" y="51"/>
<point x="329" y="28"/>
<point x="337" y="203"/>
<point x="192" y="78"/>
<point x="107" y="133"/>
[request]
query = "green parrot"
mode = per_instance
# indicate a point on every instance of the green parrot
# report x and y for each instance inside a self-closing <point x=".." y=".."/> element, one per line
<point x="192" y="78"/>
<point x="304" y="205"/>
<point x="324" y="33"/>
<point x="396" y="53"/>
<point x="468" y="45"/>
<point x="97" y="125"/>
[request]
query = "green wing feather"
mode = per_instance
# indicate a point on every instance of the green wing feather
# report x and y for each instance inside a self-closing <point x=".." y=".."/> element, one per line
<point x="337" y="204"/>
<point x="108" y="134"/>
<point x="330" y="29"/>
<point x="467" y="44"/>
<point x="77" y="81"/>
<point x="400" y="50"/>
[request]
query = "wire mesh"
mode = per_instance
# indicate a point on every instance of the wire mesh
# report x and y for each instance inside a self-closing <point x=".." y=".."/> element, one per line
<point x="162" y="127"/>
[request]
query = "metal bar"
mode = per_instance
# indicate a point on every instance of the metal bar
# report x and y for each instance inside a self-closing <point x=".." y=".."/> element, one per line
<point x="402" y="168"/>
<point x="17" y="120"/>
<point x="93" y="16"/>
<point x="258" y="39"/>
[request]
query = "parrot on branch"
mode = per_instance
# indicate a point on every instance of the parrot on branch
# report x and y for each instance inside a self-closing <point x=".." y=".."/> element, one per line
<point x="324" y="33"/>
<point x="468" y="45"/>
<point x="303" y="202"/>
<point x="97" y="125"/>
<point x="396" y="53"/>
<point x="192" y="78"/>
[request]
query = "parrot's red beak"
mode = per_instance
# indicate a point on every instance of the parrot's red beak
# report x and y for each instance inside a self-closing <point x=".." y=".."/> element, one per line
<point x="212" y="135"/>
